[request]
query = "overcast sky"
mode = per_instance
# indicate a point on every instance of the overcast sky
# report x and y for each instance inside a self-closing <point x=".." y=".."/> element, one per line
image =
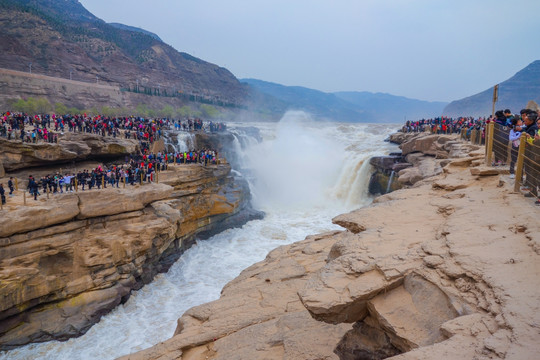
<point x="424" y="49"/>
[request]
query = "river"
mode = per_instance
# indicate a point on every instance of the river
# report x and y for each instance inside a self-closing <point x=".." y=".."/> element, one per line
<point x="302" y="174"/>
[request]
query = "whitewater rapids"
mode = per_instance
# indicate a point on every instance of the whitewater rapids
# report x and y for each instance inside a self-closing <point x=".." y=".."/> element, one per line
<point x="301" y="175"/>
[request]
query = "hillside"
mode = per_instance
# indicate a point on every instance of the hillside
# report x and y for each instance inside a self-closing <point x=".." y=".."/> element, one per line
<point x="136" y="29"/>
<point x="514" y="94"/>
<point x="60" y="38"/>
<point x="344" y="106"/>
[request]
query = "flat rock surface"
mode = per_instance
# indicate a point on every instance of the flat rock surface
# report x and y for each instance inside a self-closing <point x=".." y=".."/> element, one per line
<point x="445" y="270"/>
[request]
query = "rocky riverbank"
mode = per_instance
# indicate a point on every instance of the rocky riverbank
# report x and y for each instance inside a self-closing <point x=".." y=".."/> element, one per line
<point x="423" y="155"/>
<point x="67" y="260"/>
<point x="445" y="269"/>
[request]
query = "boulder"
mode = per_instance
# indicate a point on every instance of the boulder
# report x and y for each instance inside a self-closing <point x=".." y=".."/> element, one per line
<point x="413" y="313"/>
<point x="423" y="167"/>
<point x="385" y="162"/>
<point x="401" y="137"/>
<point x="400" y="166"/>
<point x="112" y="201"/>
<point x="38" y="215"/>
<point x="488" y="171"/>
<point x="427" y="145"/>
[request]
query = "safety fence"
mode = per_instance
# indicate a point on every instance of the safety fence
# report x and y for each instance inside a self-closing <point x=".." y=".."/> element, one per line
<point x="474" y="134"/>
<point x="522" y="156"/>
<point x="20" y="196"/>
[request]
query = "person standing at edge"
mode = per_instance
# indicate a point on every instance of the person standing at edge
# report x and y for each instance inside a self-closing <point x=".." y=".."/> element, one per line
<point x="532" y="127"/>
<point x="10" y="186"/>
<point x="2" y="194"/>
<point x="32" y="186"/>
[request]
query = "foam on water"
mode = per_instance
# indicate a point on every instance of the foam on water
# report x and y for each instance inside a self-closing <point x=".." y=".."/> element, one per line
<point x="304" y="174"/>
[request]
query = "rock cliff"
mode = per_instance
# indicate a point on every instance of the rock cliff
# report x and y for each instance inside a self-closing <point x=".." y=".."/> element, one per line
<point x="66" y="261"/>
<point x="71" y="147"/>
<point x="445" y="269"/>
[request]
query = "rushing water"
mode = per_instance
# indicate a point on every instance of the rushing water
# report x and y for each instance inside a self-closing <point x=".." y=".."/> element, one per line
<point x="302" y="174"/>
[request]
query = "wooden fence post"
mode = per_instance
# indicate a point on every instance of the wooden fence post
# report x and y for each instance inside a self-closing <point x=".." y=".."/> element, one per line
<point x="489" y="142"/>
<point x="16" y="184"/>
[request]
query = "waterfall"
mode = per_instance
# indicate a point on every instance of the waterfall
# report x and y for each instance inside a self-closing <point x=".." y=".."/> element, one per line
<point x="179" y="141"/>
<point x="390" y="182"/>
<point x="185" y="141"/>
<point x="302" y="174"/>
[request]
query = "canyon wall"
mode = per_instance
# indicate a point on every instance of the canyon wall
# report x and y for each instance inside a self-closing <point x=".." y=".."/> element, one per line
<point x="68" y="260"/>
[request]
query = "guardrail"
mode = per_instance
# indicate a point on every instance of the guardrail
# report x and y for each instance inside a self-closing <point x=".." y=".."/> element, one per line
<point x="526" y="157"/>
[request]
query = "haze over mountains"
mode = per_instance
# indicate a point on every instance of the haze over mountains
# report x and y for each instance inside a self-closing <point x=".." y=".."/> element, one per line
<point x="345" y="106"/>
<point x="60" y="38"/>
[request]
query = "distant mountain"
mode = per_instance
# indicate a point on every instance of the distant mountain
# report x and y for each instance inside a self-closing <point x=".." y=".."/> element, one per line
<point x="321" y="105"/>
<point x="393" y="108"/>
<point x="61" y="37"/>
<point x="514" y="94"/>
<point x="133" y="28"/>
<point x="343" y="106"/>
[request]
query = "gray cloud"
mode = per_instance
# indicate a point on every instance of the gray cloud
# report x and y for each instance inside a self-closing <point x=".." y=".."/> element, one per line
<point x="425" y="49"/>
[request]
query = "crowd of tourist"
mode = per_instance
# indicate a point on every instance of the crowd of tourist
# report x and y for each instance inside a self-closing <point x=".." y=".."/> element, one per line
<point x="140" y="168"/>
<point x="509" y="128"/>
<point x="47" y="128"/>
<point x="137" y="168"/>
<point x="444" y="125"/>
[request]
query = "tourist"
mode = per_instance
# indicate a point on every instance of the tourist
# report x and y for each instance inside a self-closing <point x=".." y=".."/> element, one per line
<point x="33" y="187"/>
<point x="514" y="137"/>
<point x="509" y="117"/>
<point x="2" y="194"/>
<point x="532" y="174"/>
<point x="532" y="128"/>
<point x="10" y="186"/>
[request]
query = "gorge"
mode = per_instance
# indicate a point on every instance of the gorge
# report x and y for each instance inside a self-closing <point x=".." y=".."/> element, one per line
<point x="68" y="260"/>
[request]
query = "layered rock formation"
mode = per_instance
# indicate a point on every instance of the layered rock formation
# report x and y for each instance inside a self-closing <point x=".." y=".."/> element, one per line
<point x="66" y="261"/>
<point x="446" y="269"/>
<point x="71" y="147"/>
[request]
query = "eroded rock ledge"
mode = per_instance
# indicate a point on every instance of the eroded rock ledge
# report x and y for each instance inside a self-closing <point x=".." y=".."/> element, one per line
<point x="71" y="147"/>
<point x="66" y="261"/>
<point x="446" y="269"/>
